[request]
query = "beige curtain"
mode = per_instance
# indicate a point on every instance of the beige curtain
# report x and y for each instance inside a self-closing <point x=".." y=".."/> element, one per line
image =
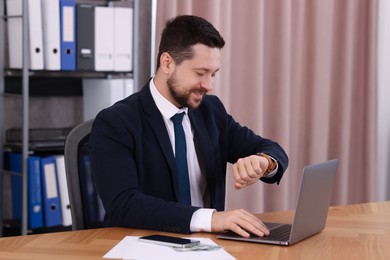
<point x="301" y="72"/>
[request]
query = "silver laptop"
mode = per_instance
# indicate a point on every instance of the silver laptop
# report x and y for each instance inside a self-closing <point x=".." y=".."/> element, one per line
<point x="311" y="211"/>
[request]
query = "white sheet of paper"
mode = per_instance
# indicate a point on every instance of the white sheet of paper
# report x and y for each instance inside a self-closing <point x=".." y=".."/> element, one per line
<point x="130" y="248"/>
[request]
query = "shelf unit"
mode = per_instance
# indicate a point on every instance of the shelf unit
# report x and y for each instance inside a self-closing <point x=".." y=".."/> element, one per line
<point x="141" y="73"/>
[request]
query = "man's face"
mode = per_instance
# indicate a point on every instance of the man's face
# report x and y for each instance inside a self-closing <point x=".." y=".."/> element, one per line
<point x="192" y="79"/>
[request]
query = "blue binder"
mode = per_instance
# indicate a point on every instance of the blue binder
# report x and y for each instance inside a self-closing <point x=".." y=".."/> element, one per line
<point x="35" y="207"/>
<point x="15" y="165"/>
<point x="68" y="34"/>
<point x="89" y="193"/>
<point x="51" y="197"/>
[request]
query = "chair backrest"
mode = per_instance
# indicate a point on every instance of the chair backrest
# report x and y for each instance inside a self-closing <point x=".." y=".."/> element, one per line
<point x="85" y="204"/>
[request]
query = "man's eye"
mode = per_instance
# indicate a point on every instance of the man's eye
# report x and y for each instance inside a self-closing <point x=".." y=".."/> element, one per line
<point x="200" y="74"/>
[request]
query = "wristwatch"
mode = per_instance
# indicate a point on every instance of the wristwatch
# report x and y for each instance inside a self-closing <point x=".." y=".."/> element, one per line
<point x="272" y="163"/>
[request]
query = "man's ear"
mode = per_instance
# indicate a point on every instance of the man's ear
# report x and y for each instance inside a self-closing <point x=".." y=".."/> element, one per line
<point x="166" y="63"/>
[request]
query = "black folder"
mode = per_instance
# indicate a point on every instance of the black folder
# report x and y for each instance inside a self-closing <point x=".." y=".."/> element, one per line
<point x="85" y="44"/>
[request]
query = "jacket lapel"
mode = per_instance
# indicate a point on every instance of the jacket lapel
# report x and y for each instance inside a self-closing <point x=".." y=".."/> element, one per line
<point x="204" y="146"/>
<point x="156" y="122"/>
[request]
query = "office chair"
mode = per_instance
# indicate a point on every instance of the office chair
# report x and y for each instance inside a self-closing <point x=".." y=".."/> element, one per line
<point x="85" y="204"/>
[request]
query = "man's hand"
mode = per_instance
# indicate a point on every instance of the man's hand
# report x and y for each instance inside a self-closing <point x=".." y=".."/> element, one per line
<point x="239" y="221"/>
<point x="248" y="170"/>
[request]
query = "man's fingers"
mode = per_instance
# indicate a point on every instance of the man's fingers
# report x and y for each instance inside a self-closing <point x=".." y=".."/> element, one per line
<point x="239" y="186"/>
<point x="239" y="221"/>
<point x="247" y="171"/>
<point x="257" y="225"/>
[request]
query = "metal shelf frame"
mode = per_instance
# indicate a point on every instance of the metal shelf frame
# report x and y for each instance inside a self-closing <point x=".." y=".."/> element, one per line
<point x="2" y="51"/>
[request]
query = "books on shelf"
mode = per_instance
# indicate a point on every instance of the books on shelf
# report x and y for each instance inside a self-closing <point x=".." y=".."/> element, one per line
<point x="48" y="201"/>
<point x="65" y="35"/>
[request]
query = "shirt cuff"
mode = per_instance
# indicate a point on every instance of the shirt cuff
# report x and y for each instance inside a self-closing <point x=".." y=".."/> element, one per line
<point x="201" y="220"/>
<point x="271" y="174"/>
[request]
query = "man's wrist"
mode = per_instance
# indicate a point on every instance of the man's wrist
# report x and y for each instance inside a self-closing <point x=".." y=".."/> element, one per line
<point x="272" y="163"/>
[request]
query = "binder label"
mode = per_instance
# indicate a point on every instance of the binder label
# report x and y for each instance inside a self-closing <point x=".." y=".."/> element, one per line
<point x="50" y="179"/>
<point x="68" y="33"/>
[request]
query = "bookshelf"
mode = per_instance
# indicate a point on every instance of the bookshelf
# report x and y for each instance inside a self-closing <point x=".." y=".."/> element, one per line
<point x="30" y="79"/>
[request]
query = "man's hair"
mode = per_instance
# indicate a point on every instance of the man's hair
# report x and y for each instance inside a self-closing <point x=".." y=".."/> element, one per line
<point x="183" y="32"/>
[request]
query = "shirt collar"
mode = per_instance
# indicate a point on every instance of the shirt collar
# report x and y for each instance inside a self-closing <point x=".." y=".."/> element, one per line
<point x="166" y="108"/>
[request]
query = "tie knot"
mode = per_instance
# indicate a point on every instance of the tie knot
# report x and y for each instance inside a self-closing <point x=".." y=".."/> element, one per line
<point x="177" y="118"/>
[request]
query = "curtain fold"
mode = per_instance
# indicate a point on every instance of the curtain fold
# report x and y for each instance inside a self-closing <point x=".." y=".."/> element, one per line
<point x="302" y="73"/>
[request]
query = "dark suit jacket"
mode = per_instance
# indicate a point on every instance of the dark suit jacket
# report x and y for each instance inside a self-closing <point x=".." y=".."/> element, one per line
<point x="134" y="167"/>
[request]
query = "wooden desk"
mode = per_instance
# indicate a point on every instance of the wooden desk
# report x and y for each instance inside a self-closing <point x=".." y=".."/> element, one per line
<point x="360" y="231"/>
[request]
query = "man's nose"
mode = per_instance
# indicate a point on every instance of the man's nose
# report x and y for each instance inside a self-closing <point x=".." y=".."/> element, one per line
<point x="207" y="83"/>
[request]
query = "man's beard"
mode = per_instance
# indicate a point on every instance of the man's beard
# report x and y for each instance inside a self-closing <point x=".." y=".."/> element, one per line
<point x="181" y="99"/>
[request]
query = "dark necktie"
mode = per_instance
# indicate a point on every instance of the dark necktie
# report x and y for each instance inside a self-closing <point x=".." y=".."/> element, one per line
<point x="181" y="159"/>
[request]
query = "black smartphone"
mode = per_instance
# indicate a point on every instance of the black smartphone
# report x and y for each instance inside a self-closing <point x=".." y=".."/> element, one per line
<point x="169" y="241"/>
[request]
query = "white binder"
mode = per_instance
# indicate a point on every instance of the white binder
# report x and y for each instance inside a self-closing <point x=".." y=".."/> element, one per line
<point x="63" y="187"/>
<point x="123" y="39"/>
<point x="51" y="34"/>
<point x="15" y="37"/>
<point x="35" y="34"/>
<point x="14" y="26"/>
<point x="104" y="35"/>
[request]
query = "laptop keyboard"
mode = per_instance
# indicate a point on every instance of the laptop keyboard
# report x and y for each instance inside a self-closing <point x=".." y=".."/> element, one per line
<point x="279" y="233"/>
